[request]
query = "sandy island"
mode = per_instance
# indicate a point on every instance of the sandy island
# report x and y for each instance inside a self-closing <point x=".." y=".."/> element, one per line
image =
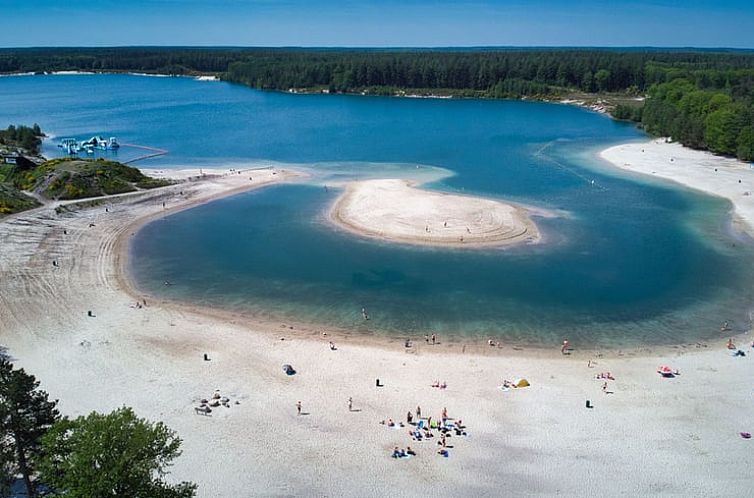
<point x="397" y="211"/>
<point x="651" y="436"/>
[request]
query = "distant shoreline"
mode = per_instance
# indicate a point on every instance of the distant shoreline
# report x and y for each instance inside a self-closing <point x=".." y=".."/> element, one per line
<point x="194" y="76"/>
<point x="592" y="102"/>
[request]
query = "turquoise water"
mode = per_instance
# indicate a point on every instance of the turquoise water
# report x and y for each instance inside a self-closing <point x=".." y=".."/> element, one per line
<point x="627" y="262"/>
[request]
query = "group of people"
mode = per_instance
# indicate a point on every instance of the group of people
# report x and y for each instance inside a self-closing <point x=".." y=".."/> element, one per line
<point x="401" y="453"/>
<point x="421" y="429"/>
<point x="433" y="338"/>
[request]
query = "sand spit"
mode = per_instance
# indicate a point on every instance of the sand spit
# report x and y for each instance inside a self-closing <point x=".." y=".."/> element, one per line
<point x="396" y="211"/>
<point x="652" y="436"/>
<point x="703" y="171"/>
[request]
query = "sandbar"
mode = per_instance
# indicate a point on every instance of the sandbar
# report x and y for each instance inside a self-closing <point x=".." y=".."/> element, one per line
<point x="397" y="211"/>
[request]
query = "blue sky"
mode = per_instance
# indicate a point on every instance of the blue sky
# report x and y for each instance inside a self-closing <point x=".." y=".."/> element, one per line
<point x="370" y="23"/>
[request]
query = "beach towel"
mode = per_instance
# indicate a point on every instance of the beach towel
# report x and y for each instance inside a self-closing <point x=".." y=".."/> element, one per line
<point x="420" y="425"/>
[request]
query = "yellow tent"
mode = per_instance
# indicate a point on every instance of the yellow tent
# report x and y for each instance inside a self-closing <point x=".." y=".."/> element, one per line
<point x="520" y="383"/>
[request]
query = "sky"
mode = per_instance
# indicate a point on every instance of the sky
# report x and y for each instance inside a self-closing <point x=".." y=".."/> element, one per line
<point x="375" y="23"/>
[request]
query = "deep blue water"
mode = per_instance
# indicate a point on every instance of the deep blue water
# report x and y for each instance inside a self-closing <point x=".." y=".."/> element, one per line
<point x="627" y="262"/>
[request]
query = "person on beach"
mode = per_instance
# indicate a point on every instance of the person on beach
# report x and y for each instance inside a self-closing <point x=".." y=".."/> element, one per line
<point x="564" y="347"/>
<point x="730" y="344"/>
<point x="350" y="404"/>
<point x="434" y="339"/>
<point x="604" y="387"/>
<point x="332" y="346"/>
<point x="426" y="338"/>
<point x="409" y="451"/>
<point x="444" y="414"/>
<point x="409" y="417"/>
<point x="298" y="407"/>
<point x="418" y="412"/>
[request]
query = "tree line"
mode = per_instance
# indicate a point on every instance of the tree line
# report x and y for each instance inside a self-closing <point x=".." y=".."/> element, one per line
<point x="116" y="454"/>
<point x="702" y="98"/>
<point x="22" y="137"/>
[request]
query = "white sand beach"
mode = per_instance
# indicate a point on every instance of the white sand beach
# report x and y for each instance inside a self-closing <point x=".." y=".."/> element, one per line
<point x="711" y="174"/>
<point x="651" y="436"/>
<point x="397" y="211"/>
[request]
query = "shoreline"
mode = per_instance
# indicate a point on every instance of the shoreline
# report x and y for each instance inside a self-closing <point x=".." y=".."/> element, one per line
<point x="150" y="358"/>
<point x="599" y="106"/>
<point x="397" y="211"/>
<point x="698" y="170"/>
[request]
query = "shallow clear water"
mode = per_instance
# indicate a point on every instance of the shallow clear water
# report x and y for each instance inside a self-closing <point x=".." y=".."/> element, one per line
<point x="628" y="261"/>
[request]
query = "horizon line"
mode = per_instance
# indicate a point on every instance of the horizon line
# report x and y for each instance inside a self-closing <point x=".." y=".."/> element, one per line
<point x="406" y="47"/>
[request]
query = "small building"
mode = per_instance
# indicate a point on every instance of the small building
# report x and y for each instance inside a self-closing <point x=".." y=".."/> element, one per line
<point x="19" y="161"/>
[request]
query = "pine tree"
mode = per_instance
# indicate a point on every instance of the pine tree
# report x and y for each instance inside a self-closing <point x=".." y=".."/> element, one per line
<point x="26" y="414"/>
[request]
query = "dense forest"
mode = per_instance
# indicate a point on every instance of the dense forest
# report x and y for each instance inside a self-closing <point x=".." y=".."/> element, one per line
<point x="702" y="98"/>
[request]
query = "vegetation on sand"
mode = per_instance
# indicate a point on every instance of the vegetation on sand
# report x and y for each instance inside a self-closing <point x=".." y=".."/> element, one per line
<point x="26" y="414"/>
<point x="71" y="179"/>
<point x="100" y="455"/>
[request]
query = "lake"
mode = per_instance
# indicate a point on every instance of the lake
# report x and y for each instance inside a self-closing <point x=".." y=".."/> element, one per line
<point x="625" y="262"/>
